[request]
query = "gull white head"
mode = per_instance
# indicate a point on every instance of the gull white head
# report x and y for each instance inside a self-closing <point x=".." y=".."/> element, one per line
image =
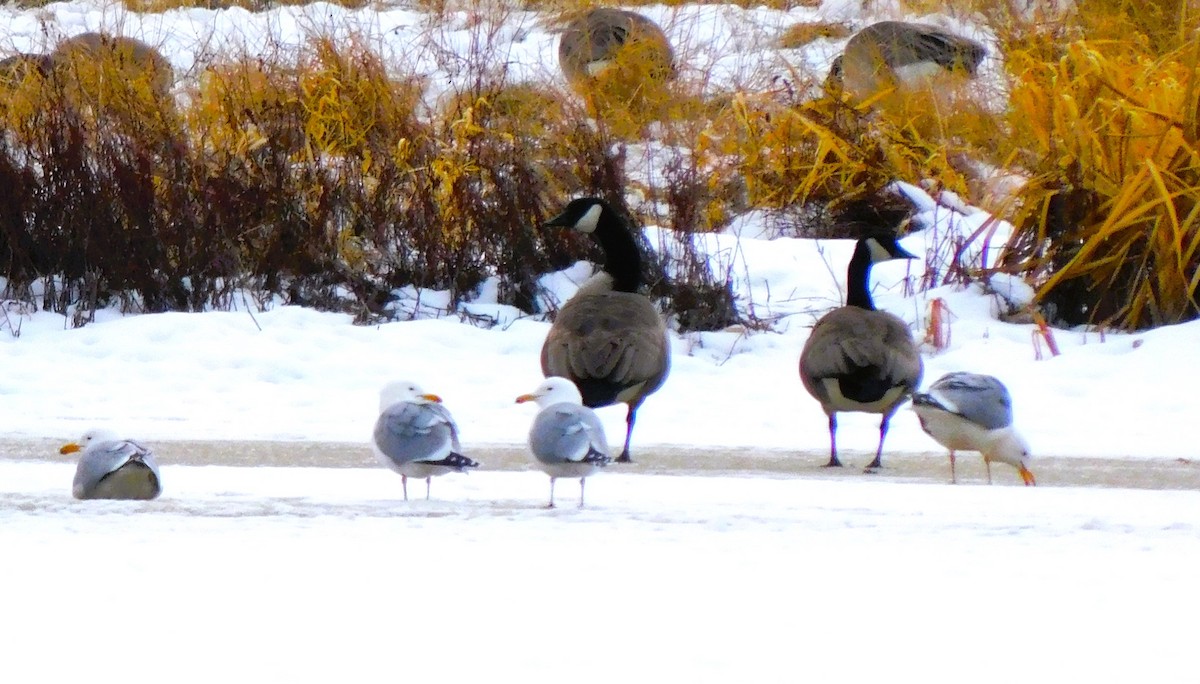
<point x="93" y="436"/>
<point x="1011" y="448"/>
<point x="404" y="390"/>
<point x="553" y="391"/>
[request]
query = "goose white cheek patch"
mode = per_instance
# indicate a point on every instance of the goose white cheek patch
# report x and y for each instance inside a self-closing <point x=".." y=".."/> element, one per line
<point x="587" y="222"/>
<point x="878" y="251"/>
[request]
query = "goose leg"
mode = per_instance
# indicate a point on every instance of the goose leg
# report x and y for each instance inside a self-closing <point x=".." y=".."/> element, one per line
<point x="551" y="504"/>
<point x="988" y="464"/>
<point x="630" y="418"/>
<point x="833" y="459"/>
<point x="581" y="481"/>
<point x="427" y="487"/>
<point x="953" y="477"/>
<point x="878" y="462"/>
<point x="404" y="485"/>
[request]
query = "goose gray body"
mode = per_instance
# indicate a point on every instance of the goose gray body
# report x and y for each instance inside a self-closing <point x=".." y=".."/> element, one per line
<point x="858" y="358"/>
<point x="608" y="339"/>
<point x="566" y="438"/>
<point x="612" y="344"/>
<point x="891" y="54"/>
<point x="973" y="412"/>
<point x="113" y="468"/>
<point x="415" y="435"/>
<point x="134" y="58"/>
<point x="592" y="42"/>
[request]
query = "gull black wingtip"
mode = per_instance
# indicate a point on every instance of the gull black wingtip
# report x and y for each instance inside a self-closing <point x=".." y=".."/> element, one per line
<point x="922" y="399"/>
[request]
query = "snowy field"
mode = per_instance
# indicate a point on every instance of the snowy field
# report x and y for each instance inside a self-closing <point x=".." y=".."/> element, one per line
<point x="322" y="574"/>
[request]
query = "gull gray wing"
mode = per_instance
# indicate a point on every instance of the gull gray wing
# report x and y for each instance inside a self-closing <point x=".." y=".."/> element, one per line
<point x="407" y="432"/>
<point x="981" y="399"/>
<point x="444" y="415"/>
<point x="104" y="458"/>
<point x="568" y="433"/>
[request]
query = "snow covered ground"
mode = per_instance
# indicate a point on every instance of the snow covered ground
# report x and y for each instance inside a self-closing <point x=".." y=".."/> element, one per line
<point x="276" y="574"/>
<point x="320" y="575"/>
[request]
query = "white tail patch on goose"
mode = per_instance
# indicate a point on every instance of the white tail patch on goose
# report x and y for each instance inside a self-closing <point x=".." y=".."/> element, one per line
<point x="841" y="402"/>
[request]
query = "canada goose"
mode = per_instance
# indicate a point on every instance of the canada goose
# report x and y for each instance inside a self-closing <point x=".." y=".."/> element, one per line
<point x="133" y="59"/>
<point x="113" y="468"/>
<point x="597" y="40"/>
<point x="897" y="54"/>
<point x="858" y="358"/>
<point x="973" y="412"/>
<point x="415" y="435"/>
<point x="608" y="339"/>
<point x="566" y="438"/>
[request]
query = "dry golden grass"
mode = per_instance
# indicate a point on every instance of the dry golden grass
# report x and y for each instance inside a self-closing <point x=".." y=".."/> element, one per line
<point x="119" y="78"/>
<point x="154" y="6"/>
<point x="1112" y="215"/>
<point x="24" y="93"/>
<point x="350" y="103"/>
<point x="826" y="152"/>
<point x="576" y="5"/>
<point x="336" y="100"/>
<point x="241" y="106"/>
<point x="103" y="81"/>
<point x="634" y="87"/>
<point x="798" y="35"/>
<point x="1163" y="26"/>
<point x="1103" y="119"/>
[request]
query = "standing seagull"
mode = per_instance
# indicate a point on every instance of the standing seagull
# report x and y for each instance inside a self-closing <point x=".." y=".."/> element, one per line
<point x="567" y="438"/>
<point x="415" y="435"/>
<point x="608" y="339"/>
<point x="973" y="412"/>
<point x="113" y="468"/>
<point x="896" y="54"/>
<point x="858" y="358"/>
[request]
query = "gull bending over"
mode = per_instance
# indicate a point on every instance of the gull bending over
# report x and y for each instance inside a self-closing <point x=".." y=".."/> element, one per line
<point x="973" y="412"/>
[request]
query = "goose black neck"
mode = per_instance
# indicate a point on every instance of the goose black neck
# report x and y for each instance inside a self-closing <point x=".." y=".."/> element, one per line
<point x="622" y="258"/>
<point x="858" y="286"/>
